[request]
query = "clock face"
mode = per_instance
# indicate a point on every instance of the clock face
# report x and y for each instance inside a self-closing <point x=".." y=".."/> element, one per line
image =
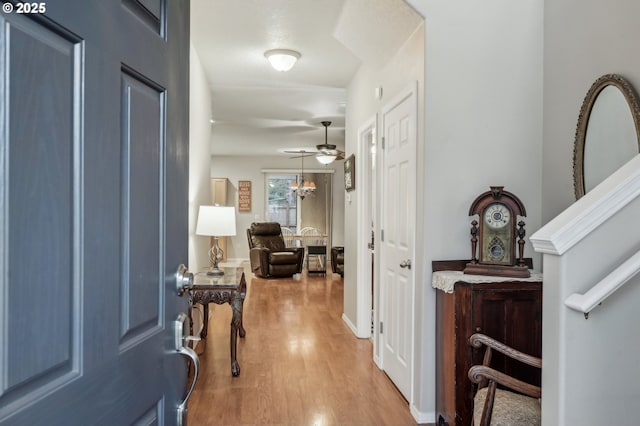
<point x="497" y="236"/>
<point x="497" y="216"/>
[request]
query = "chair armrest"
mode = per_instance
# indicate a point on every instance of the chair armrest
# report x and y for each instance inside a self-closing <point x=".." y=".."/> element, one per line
<point x="294" y="249"/>
<point x="299" y="251"/>
<point x="478" y="373"/>
<point x="479" y="339"/>
<point x="260" y="256"/>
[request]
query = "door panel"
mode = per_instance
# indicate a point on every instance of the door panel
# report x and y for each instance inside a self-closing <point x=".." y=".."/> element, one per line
<point x="142" y="145"/>
<point x="93" y="212"/>
<point x="34" y="236"/>
<point x="397" y="246"/>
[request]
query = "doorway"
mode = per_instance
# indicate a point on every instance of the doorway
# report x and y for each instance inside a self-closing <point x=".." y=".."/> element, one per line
<point x="367" y="206"/>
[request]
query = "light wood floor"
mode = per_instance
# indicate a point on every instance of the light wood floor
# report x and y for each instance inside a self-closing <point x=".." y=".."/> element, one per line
<point x="300" y="364"/>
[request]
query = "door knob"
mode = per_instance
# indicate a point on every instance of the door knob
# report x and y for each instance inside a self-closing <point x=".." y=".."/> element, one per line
<point x="184" y="280"/>
<point x="406" y="264"/>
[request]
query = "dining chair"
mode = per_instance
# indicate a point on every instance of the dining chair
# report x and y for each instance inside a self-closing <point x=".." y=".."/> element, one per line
<point x="515" y="403"/>
<point x="288" y="235"/>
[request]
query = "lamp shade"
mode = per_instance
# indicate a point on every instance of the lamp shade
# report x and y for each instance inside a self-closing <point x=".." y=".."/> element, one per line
<point x="216" y="221"/>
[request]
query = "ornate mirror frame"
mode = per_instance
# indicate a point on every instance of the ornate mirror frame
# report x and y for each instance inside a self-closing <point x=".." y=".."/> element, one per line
<point x="583" y="122"/>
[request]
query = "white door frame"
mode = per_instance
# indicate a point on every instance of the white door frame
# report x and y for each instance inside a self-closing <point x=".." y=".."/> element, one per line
<point x="363" y="177"/>
<point x="410" y="91"/>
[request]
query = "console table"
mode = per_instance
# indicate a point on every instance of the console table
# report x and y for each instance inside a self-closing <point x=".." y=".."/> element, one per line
<point x="229" y="288"/>
<point x="507" y="309"/>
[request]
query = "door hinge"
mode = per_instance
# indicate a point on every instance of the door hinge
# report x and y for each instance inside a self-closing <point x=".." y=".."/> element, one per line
<point x="382" y="235"/>
<point x="381" y="327"/>
<point x="383" y="142"/>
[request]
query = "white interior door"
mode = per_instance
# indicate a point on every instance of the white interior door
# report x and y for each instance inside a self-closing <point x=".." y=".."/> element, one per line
<point x="397" y="242"/>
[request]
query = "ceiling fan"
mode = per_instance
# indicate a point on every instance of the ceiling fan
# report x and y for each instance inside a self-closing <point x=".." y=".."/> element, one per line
<point x="325" y="153"/>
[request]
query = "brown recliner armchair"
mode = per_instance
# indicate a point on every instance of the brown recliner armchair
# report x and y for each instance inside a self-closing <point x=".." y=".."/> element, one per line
<point x="268" y="254"/>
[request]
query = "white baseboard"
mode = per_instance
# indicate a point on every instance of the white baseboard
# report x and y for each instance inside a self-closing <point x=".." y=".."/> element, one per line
<point x="352" y="327"/>
<point x="420" y="417"/>
<point x="376" y="359"/>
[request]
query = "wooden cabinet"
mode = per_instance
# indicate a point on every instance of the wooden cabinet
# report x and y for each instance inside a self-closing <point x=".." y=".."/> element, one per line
<point x="509" y="311"/>
<point x="219" y="189"/>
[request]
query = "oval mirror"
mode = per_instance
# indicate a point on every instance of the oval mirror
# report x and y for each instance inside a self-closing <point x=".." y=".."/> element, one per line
<point x="608" y="132"/>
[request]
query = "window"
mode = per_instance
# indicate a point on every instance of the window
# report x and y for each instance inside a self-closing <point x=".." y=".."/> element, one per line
<point x="281" y="202"/>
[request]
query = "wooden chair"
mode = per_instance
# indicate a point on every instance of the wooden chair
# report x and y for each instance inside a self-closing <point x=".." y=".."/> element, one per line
<point x="498" y="406"/>
<point x="288" y="235"/>
<point x="311" y="237"/>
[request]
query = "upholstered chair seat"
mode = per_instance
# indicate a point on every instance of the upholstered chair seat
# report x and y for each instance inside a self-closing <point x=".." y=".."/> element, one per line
<point x="509" y="409"/>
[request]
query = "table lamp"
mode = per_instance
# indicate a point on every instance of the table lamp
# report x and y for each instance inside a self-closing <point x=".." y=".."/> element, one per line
<point x="216" y="221"/>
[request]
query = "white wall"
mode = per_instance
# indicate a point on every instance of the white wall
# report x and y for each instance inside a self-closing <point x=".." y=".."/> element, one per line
<point x="404" y="69"/>
<point x="483" y="126"/>
<point x="250" y="168"/>
<point x="199" y="165"/>
<point x="584" y="39"/>
<point x="395" y="78"/>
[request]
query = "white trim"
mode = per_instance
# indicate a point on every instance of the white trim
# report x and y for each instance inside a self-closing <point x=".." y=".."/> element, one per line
<point x="347" y="321"/>
<point x="421" y="417"/>
<point x="590" y="211"/>
<point x="297" y="171"/>
<point x="363" y="274"/>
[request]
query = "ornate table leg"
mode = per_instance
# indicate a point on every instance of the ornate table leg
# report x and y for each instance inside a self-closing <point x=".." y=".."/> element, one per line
<point x="205" y="320"/>
<point x="240" y="295"/>
<point x="236" y="328"/>
<point x="190" y="320"/>
<point x="239" y="309"/>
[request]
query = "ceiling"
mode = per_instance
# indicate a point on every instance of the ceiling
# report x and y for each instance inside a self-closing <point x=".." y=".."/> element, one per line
<point x="259" y="111"/>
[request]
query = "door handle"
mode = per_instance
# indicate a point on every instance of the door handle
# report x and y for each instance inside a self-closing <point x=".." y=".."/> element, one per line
<point x="180" y="338"/>
<point x="406" y="264"/>
<point x="184" y="280"/>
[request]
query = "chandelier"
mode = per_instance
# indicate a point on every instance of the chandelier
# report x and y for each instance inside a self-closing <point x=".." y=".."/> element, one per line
<point x="303" y="188"/>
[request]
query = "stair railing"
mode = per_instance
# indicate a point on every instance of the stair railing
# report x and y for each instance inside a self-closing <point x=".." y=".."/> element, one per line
<point x="586" y="302"/>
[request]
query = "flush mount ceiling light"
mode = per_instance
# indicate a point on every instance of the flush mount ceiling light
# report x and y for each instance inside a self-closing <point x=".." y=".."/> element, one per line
<point x="282" y="59"/>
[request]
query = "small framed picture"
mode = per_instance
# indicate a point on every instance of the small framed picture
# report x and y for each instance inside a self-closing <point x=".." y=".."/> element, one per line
<point x="350" y="173"/>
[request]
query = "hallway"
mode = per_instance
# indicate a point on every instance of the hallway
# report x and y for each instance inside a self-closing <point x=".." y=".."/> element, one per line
<point x="300" y="364"/>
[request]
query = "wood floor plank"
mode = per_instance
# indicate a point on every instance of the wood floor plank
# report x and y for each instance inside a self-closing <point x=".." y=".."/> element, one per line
<point x="300" y="364"/>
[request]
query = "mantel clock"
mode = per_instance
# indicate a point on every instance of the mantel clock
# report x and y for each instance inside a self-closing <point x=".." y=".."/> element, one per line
<point x="493" y="239"/>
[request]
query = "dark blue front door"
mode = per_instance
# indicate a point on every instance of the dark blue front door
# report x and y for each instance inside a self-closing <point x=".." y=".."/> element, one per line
<point x="93" y="210"/>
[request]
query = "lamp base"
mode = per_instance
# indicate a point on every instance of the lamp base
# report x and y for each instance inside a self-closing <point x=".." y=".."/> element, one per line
<point x="215" y="254"/>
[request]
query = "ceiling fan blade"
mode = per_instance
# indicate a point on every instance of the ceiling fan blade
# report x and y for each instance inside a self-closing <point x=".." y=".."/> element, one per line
<point x="303" y="155"/>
